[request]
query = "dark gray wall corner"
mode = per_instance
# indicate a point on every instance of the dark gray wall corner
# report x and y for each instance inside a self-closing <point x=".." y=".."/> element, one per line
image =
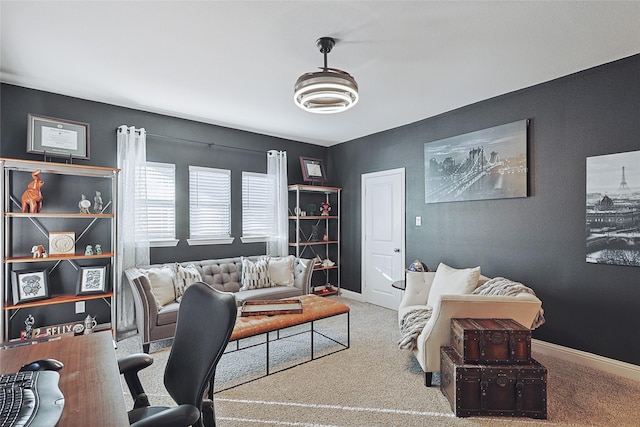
<point x="538" y="240"/>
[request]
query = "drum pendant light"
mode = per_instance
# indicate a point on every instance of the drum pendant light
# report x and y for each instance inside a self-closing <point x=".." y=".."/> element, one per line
<point x="327" y="91"/>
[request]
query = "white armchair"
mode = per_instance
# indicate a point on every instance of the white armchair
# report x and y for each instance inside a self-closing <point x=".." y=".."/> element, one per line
<point x="522" y="308"/>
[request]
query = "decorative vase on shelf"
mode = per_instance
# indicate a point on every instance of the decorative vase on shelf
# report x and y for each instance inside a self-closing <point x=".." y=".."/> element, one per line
<point x="315" y="233"/>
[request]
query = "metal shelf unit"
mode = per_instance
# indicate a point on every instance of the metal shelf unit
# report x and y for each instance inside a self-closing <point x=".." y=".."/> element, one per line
<point x="302" y="243"/>
<point x="11" y="211"/>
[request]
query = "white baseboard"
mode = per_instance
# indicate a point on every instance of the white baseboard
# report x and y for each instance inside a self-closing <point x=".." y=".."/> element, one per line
<point x="612" y="366"/>
<point x="356" y="296"/>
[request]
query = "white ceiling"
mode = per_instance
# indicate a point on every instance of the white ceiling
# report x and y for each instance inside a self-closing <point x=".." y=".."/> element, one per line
<point x="234" y="63"/>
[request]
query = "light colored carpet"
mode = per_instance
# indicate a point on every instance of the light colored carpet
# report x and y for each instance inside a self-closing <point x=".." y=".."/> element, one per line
<point x="373" y="383"/>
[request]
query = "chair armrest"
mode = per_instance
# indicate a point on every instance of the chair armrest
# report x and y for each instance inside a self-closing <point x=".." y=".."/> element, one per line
<point x="177" y="416"/>
<point x="129" y="367"/>
<point x="134" y="362"/>
<point x="303" y="269"/>
<point x="145" y="303"/>
<point x="522" y="308"/>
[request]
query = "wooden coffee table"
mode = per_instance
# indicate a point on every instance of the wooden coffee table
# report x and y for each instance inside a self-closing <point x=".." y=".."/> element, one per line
<point x="314" y="308"/>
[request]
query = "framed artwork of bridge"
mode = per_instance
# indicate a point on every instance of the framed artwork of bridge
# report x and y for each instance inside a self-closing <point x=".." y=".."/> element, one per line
<point x="613" y="209"/>
<point x="485" y="164"/>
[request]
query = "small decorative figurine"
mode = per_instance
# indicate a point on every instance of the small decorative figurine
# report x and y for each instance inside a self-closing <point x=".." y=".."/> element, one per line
<point x="28" y="332"/>
<point x="32" y="197"/>
<point x="38" y="251"/>
<point x="97" y="202"/>
<point x="84" y="205"/>
<point x="88" y="250"/>
<point x="315" y="233"/>
<point x="328" y="263"/>
<point x="98" y="249"/>
<point x="326" y="207"/>
<point x="89" y="324"/>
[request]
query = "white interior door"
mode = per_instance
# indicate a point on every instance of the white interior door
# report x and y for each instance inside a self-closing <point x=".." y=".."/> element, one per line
<point x="383" y="229"/>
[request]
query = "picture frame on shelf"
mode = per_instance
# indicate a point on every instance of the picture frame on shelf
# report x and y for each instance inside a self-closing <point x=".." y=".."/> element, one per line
<point x="57" y="137"/>
<point x="30" y="285"/>
<point x="312" y="170"/>
<point x="62" y="243"/>
<point x="92" y="280"/>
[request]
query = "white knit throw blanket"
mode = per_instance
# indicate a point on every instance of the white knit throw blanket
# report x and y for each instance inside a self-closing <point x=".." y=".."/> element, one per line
<point x="414" y="321"/>
<point x="411" y="324"/>
<point x="505" y="287"/>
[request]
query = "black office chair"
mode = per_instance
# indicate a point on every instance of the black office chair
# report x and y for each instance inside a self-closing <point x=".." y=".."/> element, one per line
<point x="205" y="321"/>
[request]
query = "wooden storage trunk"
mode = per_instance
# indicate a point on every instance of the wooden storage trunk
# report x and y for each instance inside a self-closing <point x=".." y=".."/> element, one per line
<point x="491" y="341"/>
<point x="495" y="390"/>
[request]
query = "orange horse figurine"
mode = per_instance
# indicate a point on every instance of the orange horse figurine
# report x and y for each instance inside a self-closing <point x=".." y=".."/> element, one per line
<point x="32" y="197"/>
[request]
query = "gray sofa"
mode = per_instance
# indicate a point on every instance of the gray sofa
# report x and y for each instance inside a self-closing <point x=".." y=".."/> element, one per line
<point x="157" y="322"/>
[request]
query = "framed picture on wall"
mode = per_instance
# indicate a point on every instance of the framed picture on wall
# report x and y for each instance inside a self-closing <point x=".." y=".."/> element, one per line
<point x="30" y="285"/>
<point x="92" y="280"/>
<point x="57" y="137"/>
<point x="482" y="165"/>
<point x="312" y="169"/>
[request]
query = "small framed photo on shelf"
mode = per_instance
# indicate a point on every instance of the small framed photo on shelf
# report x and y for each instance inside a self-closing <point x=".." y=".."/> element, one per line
<point x="312" y="169"/>
<point x="92" y="280"/>
<point x="30" y="285"/>
<point x="57" y="137"/>
<point x="62" y="243"/>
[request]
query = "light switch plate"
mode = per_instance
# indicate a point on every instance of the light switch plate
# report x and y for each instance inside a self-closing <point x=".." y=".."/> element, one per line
<point x="418" y="221"/>
<point x="79" y="307"/>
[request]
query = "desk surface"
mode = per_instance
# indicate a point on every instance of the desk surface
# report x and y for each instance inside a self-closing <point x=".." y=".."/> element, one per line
<point x="90" y="380"/>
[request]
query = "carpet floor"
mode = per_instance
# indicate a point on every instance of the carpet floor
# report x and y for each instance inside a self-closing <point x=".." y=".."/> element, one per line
<point x="373" y="383"/>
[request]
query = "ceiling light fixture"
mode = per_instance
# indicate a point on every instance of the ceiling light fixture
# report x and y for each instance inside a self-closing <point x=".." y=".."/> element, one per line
<point x="327" y="91"/>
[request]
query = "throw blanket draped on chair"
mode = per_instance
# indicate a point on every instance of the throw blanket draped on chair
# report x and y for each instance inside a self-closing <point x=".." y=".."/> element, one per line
<point x="411" y="324"/>
<point x="414" y="321"/>
<point x="505" y="287"/>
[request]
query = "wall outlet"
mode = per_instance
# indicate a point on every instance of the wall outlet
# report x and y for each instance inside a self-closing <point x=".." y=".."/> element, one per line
<point x="79" y="307"/>
<point x="418" y="221"/>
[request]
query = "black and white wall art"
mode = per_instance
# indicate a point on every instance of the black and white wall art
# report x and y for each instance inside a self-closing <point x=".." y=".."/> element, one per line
<point x="613" y="209"/>
<point x="485" y="164"/>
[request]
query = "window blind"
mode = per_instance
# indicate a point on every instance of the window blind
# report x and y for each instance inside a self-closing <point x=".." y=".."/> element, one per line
<point x="209" y="202"/>
<point x="156" y="202"/>
<point x="258" y="205"/>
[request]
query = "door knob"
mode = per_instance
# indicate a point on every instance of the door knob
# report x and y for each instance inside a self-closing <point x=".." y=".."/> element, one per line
<point x="396" y="249"/>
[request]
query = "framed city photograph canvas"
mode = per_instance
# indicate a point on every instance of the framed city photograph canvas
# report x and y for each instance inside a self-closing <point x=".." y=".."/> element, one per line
<point x="485" y="164"/>
<point x="92" y="280"/>
<point x="30" y="285"/>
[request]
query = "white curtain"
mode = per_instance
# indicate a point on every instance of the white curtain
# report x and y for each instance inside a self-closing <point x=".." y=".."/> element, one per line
<point x="133" y="244"/>
<point x="277" y="170"/>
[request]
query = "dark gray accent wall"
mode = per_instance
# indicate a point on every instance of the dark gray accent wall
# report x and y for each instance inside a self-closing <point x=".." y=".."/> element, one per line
<point x="247" y="153"/>
<point x="538" y="240"/>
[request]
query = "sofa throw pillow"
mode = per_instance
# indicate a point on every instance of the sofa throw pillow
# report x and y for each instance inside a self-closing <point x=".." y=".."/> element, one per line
<point x="281" y="271"/>
<point x="254" y="274"/>
<point x="452" y="281"/>
<point x="184" y="277"/>
<point x="161" y="280"/>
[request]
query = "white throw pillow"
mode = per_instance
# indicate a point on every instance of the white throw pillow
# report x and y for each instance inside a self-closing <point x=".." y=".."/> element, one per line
<point x="281" y="270"/>
<point x="452" y="281"/>
<point x="161" y="281"/>
<point x="255" y="274"/>
<point x="185" y="276"/>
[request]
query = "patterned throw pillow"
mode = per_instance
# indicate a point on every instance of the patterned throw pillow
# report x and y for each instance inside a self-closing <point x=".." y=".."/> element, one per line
<point x="184" y="277"/>
<point x="255" y="274"/>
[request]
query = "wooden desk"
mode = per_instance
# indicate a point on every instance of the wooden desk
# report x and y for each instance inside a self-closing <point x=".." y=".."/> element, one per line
<point x="90" y="379"/>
